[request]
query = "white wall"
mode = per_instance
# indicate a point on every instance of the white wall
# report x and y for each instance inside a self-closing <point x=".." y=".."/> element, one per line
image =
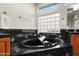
<point x="63" y="20"/>
<point x="76" y="21"/>
<point x="75" y="6"/>
<point x="20" y="9"/>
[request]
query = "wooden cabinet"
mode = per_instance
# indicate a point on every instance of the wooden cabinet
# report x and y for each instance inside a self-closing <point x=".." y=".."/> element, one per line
<point x="7" y="46"/>
<point x="75" y="44"/>
<point x="4" y="46"/>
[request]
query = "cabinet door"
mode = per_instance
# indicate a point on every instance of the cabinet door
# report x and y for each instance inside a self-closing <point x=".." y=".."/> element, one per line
<point x="75" y="44"/>
<point x="7" y="46"/>
<point x="2" y="48"/>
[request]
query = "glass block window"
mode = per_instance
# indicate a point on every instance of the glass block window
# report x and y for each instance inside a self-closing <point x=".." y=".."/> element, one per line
<point x="49" y="23"/>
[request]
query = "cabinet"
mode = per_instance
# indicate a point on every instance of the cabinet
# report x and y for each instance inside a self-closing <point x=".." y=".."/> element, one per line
<point x="75" y="44"/>
<point x="4" y="46"/>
